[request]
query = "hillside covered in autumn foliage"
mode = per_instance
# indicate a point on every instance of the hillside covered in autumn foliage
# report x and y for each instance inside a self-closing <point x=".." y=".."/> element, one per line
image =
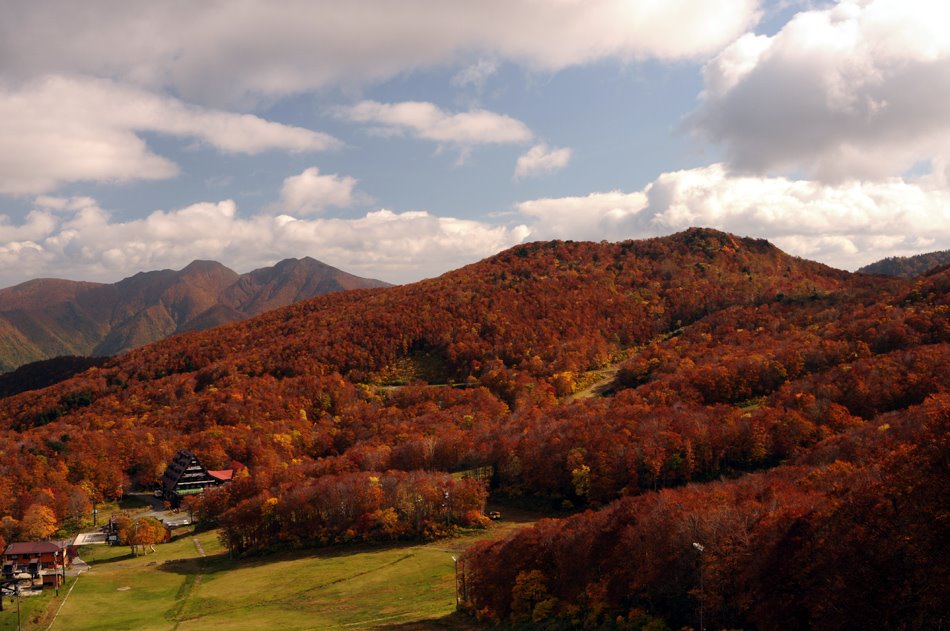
<point x="789" y="418"/>
<point x="908" y="266"/>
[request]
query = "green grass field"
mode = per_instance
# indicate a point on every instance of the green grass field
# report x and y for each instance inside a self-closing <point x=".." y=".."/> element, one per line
<point x="32" y="610"/>
<point x="358" y="587"/>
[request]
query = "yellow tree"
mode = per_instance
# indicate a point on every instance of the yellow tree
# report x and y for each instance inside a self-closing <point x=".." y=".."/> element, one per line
<point x="39" y="522"/>
<point x="125" y="530"/>
<point x="148" y="532"/>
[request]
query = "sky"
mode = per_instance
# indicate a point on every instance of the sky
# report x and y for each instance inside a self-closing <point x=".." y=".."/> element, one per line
<point x="400" y="140"/>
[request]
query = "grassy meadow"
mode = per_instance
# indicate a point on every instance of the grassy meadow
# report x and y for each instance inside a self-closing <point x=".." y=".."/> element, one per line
<point x="344" y="587"/>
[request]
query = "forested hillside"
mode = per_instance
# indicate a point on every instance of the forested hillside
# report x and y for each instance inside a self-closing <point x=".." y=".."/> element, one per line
<point x="782" y="414"/>
<point x="908" y="266"/>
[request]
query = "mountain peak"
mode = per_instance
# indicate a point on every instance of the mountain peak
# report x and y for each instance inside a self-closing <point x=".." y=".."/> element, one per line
<point x="204" y="266"/>
<point x="289" y="281"/>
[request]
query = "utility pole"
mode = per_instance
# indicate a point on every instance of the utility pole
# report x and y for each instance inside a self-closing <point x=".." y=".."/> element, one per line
<point x="702" y="595"/>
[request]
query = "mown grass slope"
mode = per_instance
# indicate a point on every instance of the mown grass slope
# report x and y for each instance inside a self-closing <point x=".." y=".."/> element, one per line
<point x="359" y="587"/>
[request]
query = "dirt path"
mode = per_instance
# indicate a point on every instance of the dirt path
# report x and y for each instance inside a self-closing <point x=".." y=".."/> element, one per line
<point x="605" y="378"/>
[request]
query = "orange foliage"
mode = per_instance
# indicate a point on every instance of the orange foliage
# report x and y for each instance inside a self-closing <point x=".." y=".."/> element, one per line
<point x="737" y="358"/>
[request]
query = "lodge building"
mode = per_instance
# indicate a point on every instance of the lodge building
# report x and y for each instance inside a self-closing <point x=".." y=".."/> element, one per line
<point x="186" y="476"/>
<point x="44" y="561"/>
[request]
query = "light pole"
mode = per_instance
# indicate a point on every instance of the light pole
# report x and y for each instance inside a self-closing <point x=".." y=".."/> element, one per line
<point x="448" y="509"/>
<point x="456" y="561"/>
<point x="702" y="595"/>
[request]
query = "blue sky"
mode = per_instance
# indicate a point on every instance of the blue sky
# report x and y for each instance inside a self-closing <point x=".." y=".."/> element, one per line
<point x="401" y="140"/>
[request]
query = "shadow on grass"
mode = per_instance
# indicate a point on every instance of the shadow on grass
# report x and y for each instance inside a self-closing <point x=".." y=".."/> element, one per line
<point x="514" y="517"/>
<point x="128" y="556"/>
<point x="214" y="563"/>
<point x="133" y="502"/>
<point x="179" y="534"/>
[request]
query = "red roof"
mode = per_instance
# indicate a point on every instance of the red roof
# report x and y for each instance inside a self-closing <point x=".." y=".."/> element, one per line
<point x="224" y="475"/>
<point x="35" y="547"/>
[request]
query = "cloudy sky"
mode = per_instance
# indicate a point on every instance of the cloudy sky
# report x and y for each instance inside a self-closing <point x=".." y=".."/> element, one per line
<point x="399" y="140"/>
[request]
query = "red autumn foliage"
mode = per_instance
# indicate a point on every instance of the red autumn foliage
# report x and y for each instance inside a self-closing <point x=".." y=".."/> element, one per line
<point x="832" y="544"/>
<point x="733" y="359"/>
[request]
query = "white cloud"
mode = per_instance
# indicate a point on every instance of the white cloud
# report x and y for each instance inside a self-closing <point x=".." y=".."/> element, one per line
<point x="846" y="226"/>
<point x="540" y="160"/>
<point x="311" y="192"/>
<point x="855" y="91"/>
<point x="407" y="245"/>
<point x="425" y="120"/>
<point x="594" y="217"/>
<point x="476" y="74"/>
<point x="85" y="239"/>
<point x="59" y="129"/>
<point x="38" y="224"/>
<point x="217" y="51"/>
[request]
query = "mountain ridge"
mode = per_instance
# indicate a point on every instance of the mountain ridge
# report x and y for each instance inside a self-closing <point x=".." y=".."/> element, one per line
<point x="908" y="266"/>
<point x="454" y="321"/>
<point x="46" y="318"/>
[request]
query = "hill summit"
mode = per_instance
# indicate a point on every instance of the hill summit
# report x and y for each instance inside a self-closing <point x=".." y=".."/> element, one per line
<point x="908" y="266"/>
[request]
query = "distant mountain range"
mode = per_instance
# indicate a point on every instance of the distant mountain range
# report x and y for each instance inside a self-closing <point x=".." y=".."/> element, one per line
<point x="908" y="266"/>
<point x="46" y="318"/>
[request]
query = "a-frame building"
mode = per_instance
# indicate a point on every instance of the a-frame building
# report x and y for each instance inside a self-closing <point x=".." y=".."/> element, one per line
<point x="185" y="475"/>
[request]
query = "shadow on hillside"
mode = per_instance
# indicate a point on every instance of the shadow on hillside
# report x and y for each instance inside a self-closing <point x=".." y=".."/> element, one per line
<point x="452" y="622"/>
<point x="523" y="510"/>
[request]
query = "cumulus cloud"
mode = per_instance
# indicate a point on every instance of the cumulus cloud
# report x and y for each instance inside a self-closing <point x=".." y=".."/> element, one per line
<point x="78" y="235"/>
<point x="311" y="192"/>
<point x="38" y="224"/>
<point x="845" y="226"/>
<point x="219" y="51"/>
<point x="593" y="217"/>
<point x="427" y="121"/>
<point x="855" y="91"/>
<point x="60" y="129"/>
<point x="540" y="160"/>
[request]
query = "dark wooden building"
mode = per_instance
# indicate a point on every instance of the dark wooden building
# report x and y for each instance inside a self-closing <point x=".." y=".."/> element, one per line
<point x="186" y="476"/>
